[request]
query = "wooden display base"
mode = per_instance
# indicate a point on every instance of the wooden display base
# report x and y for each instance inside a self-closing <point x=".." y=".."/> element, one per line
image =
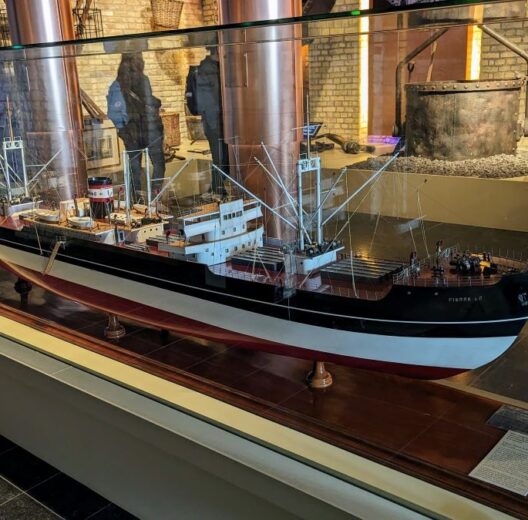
<point x="431" y="431"/>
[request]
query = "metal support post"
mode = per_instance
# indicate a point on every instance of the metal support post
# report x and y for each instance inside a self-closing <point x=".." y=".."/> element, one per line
<point x="24" y="170"/>
<point x="149" y="187"/>
<point x="126" y="175"/>
<point x="300" y="172"/>
<point x="318" y="205"/>
<point x="6" y="171"/>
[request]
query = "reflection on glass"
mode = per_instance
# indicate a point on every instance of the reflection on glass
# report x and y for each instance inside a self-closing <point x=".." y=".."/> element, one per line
<point x="347" y="188"/>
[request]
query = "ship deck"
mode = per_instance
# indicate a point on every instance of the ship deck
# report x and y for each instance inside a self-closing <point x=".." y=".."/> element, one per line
<point x="351" y="277"/>
<point x="360" y="288"/>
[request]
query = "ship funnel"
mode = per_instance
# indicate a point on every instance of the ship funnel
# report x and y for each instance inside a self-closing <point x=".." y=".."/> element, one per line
<point x="101" y="196"/>
<point x="262" y="102"/>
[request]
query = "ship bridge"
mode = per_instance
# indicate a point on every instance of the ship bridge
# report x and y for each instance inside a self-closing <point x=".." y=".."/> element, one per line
<point x="215" y="232"/>
<point x="218" y="221"/>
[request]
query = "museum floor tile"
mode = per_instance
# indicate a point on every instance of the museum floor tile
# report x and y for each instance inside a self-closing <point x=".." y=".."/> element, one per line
<point x="426" y="429"/>
<point x="31" y="489"/>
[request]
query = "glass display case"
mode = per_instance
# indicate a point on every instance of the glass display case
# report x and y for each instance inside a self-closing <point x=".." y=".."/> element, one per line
<point x="279" y="192"/>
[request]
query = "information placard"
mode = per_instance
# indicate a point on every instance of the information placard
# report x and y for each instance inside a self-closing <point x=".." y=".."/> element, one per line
<point x="506" y="465"/>
<point x="510" y="418"/>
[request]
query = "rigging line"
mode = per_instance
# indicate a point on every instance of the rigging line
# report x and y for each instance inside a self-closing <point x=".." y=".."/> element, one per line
<point x="268" y="276"/>
<point x="352" y="272"/>
<point x="412" y="237"/>
<point x="278" y="181"/>
<point x="254" y="262"/>
<point x="171" y="180"/>
<point x="2" y="169"/>
<point x="336" y="222"/>
<point x="371" y="179"/>
<point x="14" y="173"/>
<point x="374" y="234"/>
<point x="422" y="222"/>
<point x="447" y="208"/>
<point x="44" y="167"/>
<point x="327" y="196"/>
<point x="347" y="223"/>
<point x="236" y="153"/>
<point x="278" y="177"/>
<point x="38" y="239"/>
<point x="278" y="215"/>
<point x="279" y="272"/>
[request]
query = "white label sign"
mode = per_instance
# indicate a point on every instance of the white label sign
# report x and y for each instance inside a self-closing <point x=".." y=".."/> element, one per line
<point x="506" y="465"/>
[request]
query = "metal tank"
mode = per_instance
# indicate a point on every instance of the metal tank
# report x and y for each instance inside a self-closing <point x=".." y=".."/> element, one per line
<point x="53" y="117"/>
<point x="262" y="101"/>
<point x="457" y="120"/>
<point x="462" y="13"/>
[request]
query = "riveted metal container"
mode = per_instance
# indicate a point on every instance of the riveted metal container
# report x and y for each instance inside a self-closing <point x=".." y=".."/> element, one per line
<point x="463" y="13"/>
<point x="456" y="120"/>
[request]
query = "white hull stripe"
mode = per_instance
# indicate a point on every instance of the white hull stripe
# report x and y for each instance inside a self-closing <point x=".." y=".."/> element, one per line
<point x="462" y="353"/>
<point x="289" y="307"/>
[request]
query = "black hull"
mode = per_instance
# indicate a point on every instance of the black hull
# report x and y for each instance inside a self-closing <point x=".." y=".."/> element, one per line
<point x="407" y="311"/>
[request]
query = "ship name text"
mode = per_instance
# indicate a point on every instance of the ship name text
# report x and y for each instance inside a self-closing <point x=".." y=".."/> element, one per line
<point x="466" y="299"/>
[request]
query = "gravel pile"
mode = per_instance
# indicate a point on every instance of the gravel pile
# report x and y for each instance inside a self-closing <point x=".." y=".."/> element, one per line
<point x="496" y="167"/>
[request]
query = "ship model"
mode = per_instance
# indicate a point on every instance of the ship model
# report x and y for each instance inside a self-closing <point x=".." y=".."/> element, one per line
<point x="210" y="271"/>
<point x="252" y="269"/>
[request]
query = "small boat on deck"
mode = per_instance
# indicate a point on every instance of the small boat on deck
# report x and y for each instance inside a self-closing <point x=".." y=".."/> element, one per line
<point x="48" y="215"/>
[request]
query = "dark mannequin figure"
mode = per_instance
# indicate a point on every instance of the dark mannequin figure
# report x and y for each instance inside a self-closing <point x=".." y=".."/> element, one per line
<point x="135" y="111"/>
<point x="209" y="106"/>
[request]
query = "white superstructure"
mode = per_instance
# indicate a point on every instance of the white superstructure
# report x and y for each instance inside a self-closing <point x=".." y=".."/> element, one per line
<point x="214" y="232"/>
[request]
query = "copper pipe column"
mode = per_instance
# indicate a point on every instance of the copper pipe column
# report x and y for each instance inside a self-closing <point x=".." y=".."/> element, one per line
<point x="262" y="100"/>
<point x="53" y="120"/>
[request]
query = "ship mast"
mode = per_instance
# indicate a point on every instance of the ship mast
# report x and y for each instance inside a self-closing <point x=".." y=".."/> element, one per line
<point x="12" y="146"/>
<point x="146" y="154"/>
<point x="126" y="175"/>
<point x="310" y="164"/>
<point x="11" y="134"/>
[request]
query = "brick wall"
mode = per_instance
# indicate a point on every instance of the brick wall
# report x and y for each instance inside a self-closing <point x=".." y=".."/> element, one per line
<point x="498" y="62"/>
<point x="333" y="62"/>
<point x="210" y="12"/>
<point x="333" y="65"/>
<point x="167" y="69"/>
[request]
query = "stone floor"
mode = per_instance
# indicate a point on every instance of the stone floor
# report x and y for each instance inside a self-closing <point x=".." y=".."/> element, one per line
<point x="31" y="489"/>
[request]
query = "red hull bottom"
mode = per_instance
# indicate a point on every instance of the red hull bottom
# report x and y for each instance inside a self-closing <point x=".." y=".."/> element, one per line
<point x="160" y="319"/>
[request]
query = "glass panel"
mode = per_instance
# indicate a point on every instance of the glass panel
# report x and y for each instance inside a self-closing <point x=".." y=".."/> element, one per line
<point x="348" y="187"/>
